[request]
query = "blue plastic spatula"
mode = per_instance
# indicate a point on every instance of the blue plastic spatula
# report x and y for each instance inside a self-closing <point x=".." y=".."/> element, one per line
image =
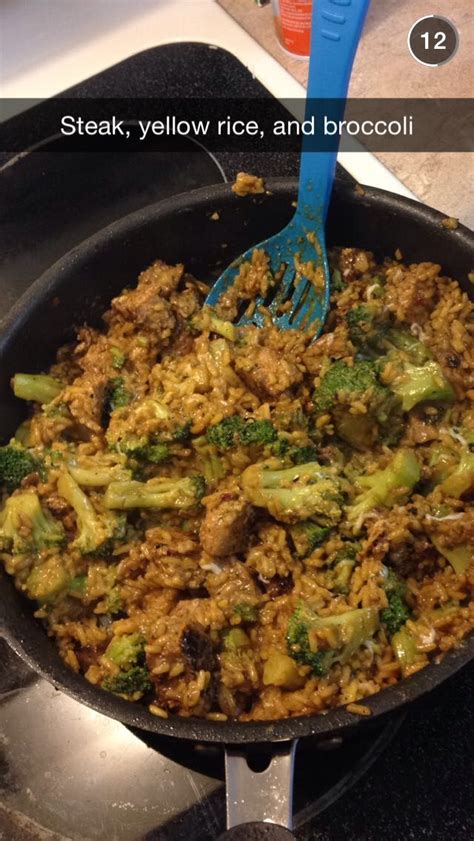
<point x="336" y="29"/>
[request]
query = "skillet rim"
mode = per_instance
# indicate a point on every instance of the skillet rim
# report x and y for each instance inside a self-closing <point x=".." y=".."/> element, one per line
<point x="325" y="725"/>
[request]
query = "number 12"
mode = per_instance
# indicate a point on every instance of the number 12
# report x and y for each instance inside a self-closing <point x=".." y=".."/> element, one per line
<point x="439" y="38"/>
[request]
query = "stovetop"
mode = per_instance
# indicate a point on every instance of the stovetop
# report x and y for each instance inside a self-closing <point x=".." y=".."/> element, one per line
<point x="66" y="772"/>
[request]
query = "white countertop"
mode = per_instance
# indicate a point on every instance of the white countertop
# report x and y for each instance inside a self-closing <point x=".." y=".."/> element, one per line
<point x="50" y="45"/>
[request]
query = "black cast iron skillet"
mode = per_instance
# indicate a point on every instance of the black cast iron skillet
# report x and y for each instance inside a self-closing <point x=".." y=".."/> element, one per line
<point x="79" y="287"/>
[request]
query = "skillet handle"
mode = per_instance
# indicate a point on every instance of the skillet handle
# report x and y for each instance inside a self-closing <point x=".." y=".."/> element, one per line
<point x="260" y="803"/>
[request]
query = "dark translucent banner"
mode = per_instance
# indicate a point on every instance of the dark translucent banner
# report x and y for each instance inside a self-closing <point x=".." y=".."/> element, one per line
<point x="377" y="125"/>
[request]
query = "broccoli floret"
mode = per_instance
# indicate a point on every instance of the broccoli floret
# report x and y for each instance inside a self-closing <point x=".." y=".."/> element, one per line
<point x="116" y="395"/>
<point x="405" y="648"/>
<point x="420" y="377"/>
<point x="349" y="551"/>
<point x="307" y="492"/>
<point x="153" y="453"/>
<point x="303" y="455"/>
<point x="182" y="432"/>
<point x="397" y="612"/>
<point x="417" y="384"/>
<point x="15" y="464"/>
<point x="372" y="335"/>
<point x="307" y="635"/>
<point x="360" y="380"/>
<point x="199" y="485"/>
<point x="337" y="282"/>
<point x="339" y="575"/>
<point x="365" y="330"/>
<point x="113" y="601"/>
<point x="48" y="580"/>
<point x="25" y="527"/>
<point x="208" y="320"/>
<point x="157" y="450"/>
<point x="97" y="532"/>
<point x="127" y="438"/>
<point x="461" y="480"/>
<point x="136" y="679"/>
<point x="386" y="487"/>
<point x="38" y="387"/>
<point x="282" y="448"/>
<point x="235" y="431"/>
<point x="210" y="465"/>
<point x="247" y="611"/>
<point x="307" y="537"/>
<point x="340" y="377"/>
<point x="77" y="586"/>
<point x="118" y="358"/>
<point x="156" y="493"/>
<point x="460" y="557"/>
<point x="125" y="650"/>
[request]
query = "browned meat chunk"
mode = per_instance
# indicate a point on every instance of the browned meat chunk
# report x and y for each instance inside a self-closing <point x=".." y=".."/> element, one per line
<point x="181" y="656"/>
<point x="146" y="306"/>
<point x="161" y="278"/>
<point x="353" y="262"/>
<point x="85" y="396"/>
<point x="225" y="528"/>
<point x="267" y="373"/>
<point x="420" y="431"/>
<point x="85" y="401"/>
<point x="198" y="649"/>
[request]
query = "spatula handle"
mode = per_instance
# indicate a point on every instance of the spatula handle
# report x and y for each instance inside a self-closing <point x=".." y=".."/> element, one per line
<point x="335" y="32"/>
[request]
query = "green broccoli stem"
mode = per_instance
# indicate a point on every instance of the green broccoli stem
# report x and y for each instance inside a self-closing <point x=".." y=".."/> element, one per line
<point x="405" y="648"/>
<point x="386" y="487"/>
<point x="38" y="387"/>
<point x="417" y="384"/>
<point x="98" y="476"/>
<point x="460" y="557"/>
<point x="156" y="493"/>
<point x="461" y="480"/>
<point x="95" y="530"/>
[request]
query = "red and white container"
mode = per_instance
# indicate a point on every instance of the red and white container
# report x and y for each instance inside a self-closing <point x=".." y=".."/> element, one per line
<point x="293" y="25"/>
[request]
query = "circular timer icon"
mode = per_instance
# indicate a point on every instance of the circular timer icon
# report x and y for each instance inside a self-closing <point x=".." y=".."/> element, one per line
<point x="433" y="40"/>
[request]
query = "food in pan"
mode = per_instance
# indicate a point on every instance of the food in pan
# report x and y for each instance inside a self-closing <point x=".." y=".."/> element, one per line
<point x="241" y="523"/>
